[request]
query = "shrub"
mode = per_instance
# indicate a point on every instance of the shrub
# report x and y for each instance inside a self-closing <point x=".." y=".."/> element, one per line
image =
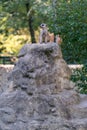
<point x="70" y="21"/>
<point x="79" y="76"/>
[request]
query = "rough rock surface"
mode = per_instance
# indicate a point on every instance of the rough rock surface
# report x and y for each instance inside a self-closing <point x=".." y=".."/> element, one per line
<point x="4" y="72"/>
<point x="40" y="95"/>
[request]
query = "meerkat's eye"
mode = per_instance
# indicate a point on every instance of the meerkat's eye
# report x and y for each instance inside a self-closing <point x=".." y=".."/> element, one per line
<point x="43" y="25"/>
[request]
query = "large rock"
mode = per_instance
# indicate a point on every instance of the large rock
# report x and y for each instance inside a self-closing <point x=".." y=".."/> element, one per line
<point x="4" y="72"/>
<point x="40" y="95"/>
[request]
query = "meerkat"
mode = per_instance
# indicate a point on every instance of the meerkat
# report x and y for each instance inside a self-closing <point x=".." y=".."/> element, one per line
<point x="58" y="39"/>
<point x="51" y="37"/>
<point x="44" y="35"/>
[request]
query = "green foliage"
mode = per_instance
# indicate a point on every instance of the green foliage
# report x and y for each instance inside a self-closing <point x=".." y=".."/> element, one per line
<point x="79" y="76"/>
<point x="13" y="13"/>
<point x="70" y="20"/>
<point x="13" y="23"/>
<point x="11" y="44"/>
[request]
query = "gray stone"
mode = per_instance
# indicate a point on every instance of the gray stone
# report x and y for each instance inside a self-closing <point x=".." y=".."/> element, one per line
<point x="40" y="95"/>
<point x="4" y="72"/>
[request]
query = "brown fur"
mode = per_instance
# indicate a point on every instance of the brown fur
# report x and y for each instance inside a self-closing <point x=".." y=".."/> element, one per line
<point x="58" y="39"/>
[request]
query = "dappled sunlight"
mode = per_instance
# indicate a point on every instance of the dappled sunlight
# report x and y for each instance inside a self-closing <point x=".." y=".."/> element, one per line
<point x="13" y="43"/>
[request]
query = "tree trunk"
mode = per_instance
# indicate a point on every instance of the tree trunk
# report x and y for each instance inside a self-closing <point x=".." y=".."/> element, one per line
<point x="30" y="21"/>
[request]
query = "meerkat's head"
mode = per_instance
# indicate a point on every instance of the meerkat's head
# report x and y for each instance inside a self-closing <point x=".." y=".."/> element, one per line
<point x="43" y="25"/>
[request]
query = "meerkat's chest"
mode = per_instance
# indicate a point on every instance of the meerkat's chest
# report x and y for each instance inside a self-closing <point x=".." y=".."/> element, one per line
<point x="44" y="33"/>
